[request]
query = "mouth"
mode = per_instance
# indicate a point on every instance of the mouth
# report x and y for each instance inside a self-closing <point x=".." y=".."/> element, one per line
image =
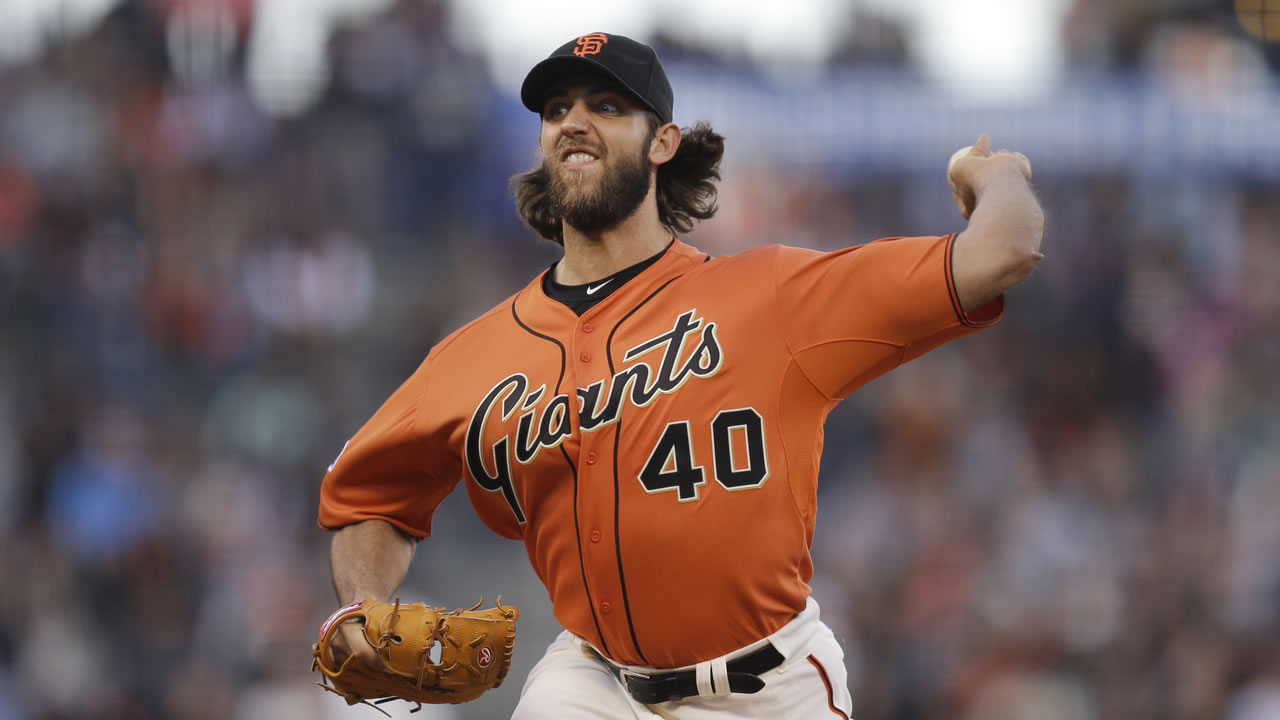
<point x="577" y="157"/>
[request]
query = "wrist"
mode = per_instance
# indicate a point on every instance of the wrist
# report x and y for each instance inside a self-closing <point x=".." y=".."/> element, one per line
<point x="998" y="176"/>
<point x="355" y="596"/>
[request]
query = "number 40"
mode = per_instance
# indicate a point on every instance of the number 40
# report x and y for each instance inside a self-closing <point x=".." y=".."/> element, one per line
<point x="671" y="465"/>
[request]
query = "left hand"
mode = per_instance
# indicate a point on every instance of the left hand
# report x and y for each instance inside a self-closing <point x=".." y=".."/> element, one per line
<point x="473" y="652"/>
<point x="968" y="172"/>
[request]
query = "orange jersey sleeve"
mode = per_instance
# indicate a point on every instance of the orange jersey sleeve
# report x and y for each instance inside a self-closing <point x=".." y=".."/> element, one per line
<point x="852" y="315"/>
<point x="396" y="468"/>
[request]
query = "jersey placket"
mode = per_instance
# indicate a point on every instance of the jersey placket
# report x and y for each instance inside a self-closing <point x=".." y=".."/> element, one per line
<point x="596" y="499"/>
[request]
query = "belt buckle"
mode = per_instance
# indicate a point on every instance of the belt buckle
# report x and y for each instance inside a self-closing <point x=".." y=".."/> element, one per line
<point x="643" y="694"/>
<point x="624" y="674"/>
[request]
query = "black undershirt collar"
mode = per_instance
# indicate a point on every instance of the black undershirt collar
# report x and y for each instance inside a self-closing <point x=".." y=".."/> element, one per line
<point x="581" y="298"/>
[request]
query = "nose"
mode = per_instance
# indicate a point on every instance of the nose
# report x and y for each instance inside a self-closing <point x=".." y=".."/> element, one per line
<point x="574" y="121"/>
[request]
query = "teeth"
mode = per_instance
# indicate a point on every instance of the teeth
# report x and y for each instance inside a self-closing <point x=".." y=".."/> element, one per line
<point x="579" y="157"/>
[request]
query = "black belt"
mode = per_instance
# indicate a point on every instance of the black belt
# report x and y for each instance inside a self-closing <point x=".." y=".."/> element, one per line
<point x="672" y="686"/>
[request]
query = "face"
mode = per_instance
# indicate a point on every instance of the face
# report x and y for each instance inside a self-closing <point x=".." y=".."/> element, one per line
<point x="595" y="147"/>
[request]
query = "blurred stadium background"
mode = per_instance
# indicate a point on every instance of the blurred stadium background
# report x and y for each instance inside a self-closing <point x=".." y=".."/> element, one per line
<point x="228" y="229"/>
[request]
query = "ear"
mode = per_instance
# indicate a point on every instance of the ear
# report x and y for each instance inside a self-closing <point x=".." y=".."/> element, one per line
<point x="665" y="143"/>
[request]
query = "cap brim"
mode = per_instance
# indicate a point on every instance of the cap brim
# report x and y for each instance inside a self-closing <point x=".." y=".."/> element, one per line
<point x="543" y="77"/>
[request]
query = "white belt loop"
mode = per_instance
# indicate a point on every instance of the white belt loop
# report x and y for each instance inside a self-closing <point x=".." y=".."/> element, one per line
<point x="712" y="674"/>
<point x="720" y="676"/>
<point x="702" y="674"/>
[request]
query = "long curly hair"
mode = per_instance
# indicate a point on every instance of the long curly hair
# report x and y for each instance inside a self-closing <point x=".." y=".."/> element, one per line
<point x="686" y="185"/>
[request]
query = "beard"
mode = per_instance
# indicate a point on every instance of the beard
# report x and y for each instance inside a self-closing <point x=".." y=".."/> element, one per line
<point x="614" y="197"/>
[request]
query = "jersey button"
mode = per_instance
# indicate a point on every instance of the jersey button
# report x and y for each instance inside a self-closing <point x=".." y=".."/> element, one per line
<point x="585" y="357"/>
<point x="591" y="458"/>
<point x="588" y="327"/>
<point x="595" y="535"/>
<point x="606" y="607"/>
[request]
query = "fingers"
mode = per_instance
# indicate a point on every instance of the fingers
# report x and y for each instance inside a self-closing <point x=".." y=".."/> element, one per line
<point x="1024" y="163"/>
<point x="956" y="157"/>
<point x="982" y="148"/>
<point x="1021" y="160"/>
<point x="969" y="167"/>
<point x="355" y="643"/>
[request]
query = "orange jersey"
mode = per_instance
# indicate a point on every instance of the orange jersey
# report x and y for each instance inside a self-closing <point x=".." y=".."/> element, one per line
<point x="658" y="455"/>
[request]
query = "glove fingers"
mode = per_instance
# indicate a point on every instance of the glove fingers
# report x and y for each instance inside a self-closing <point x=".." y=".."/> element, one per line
<point x="474" y="651"/>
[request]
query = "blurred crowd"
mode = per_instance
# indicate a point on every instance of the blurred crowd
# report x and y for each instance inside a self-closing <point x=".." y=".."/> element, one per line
<point x="1071" y="516"/>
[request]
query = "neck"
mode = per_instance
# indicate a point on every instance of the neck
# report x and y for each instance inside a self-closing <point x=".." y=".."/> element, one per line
<point x="590" y="257"/>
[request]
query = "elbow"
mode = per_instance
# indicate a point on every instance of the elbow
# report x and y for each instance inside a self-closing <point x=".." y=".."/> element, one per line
<point x="991" y="259"/>
<point x="1017" y="265"/>
<point x="1022" y="255"/>
<point x="1023" y="265"/>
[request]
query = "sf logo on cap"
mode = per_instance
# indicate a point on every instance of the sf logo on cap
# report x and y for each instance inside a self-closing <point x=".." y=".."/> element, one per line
<point x="590" y="44"/>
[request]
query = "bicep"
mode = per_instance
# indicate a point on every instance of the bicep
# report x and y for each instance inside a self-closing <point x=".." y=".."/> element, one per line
<point x="398" y="467"/>
<point x="881" y="304"/>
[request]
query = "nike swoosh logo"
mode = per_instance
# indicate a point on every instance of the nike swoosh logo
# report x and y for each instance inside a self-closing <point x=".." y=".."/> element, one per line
<point x="591" y="290"/>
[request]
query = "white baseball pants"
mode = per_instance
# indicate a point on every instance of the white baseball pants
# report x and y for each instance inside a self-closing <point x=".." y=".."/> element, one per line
<point x="571" y="682"/>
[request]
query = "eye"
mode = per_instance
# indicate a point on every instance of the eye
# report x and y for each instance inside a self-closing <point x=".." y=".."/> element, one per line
<point x="556" y="110"/>
<point x="608" y="106"/>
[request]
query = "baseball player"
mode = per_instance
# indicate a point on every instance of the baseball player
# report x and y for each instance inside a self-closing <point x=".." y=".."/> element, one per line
<point x="648" y="420"/>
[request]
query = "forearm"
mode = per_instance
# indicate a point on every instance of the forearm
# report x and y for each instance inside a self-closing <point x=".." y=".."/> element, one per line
<point x="1002" y="243"/>
<point x="369" y="560"/>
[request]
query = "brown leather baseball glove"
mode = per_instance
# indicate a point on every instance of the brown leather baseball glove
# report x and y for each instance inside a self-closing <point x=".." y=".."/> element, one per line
<point x="474" y="656"/>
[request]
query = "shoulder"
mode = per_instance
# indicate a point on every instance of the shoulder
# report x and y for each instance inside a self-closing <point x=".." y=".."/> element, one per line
<point x="482" y="330"/>
<point x="764" y="264"/>
<point x="754" y="260"/>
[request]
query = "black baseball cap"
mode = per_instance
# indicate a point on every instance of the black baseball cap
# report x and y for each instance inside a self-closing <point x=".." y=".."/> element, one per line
<point x="631" y="64"/>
